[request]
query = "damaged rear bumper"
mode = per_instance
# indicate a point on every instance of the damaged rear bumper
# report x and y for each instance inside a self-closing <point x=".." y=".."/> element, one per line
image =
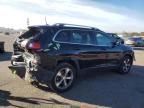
<point x="41" y="75"/>
<point x="37" y="72"/>
<point x="18" y="69"/>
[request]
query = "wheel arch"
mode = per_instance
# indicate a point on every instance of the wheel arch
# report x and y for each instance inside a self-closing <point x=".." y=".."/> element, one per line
<point x="131" y="55"/>
<point x="74" y="63"/>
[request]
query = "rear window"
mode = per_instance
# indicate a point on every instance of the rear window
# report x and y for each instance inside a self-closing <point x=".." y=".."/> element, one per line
<point x="43" y="36"/>
<point x="30" y="33"/>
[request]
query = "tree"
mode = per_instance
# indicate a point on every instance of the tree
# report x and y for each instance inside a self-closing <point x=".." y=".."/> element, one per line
<point x="125" y="33"/>
<point x="142" y="33"/>
<point x="135" y="34"/>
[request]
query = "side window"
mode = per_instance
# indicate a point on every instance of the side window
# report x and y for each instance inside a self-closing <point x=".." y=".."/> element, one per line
<point x="75" y="36"/>
<point x="102" y="39"/>
<point x="63" y="36"/>
<point x="83" y="37"/>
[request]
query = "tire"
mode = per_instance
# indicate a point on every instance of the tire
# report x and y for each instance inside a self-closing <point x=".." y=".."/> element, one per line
<point x="64" y="78"/>
<point x="125" y="66"/>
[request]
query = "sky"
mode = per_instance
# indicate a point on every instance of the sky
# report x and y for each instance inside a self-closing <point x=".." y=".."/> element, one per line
<point x="107" y="15"/>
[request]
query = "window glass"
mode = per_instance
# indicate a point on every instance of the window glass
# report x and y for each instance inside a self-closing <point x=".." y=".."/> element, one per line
<point x="75" y="36"/>
<point x="30" y="33"/>
<point x="102" y="39"/>
<point x="63" y="36"/>
<point x="45" y="38"/>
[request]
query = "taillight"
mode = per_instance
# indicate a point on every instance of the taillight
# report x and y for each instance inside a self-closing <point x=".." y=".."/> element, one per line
<point x="34" y="45"/>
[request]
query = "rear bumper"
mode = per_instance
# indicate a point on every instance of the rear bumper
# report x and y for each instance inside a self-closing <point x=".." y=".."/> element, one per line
<point x="19" y="70"/>
<point x="17" y="60"/>
<point x="38" y="73"/>
<point x="42" y="75"/>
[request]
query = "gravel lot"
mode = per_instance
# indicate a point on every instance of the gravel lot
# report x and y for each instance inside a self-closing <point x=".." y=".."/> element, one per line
<point x="96" y="89"/>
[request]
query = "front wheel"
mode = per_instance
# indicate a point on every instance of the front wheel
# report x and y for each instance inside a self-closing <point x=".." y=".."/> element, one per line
<point x="126" y="65"/>
<point x="64" y="77"/>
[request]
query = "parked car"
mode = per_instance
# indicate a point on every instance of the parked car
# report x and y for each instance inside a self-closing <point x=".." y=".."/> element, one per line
<point x="1" y="47"/>
<point x="135" y="41"/>
<point x="119" y="39"/>
<point x="53" y="55"/>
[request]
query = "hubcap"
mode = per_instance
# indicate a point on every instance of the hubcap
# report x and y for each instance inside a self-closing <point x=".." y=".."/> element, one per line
<point x="126" y="65"/>
<point x="64" y="78"/>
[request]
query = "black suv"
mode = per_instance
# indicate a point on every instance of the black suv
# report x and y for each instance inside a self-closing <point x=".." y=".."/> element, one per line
<point x="54" y="54"/>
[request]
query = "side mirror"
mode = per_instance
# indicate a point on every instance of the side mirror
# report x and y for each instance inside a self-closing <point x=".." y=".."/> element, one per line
<point x="115" y="43"/>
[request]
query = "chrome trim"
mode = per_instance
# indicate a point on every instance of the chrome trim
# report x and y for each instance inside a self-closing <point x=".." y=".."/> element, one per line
<point x="18" y="63"/>
<point x="74" y="25"/>
<point x="16" y="56"/>
<point x="75" y="43"/>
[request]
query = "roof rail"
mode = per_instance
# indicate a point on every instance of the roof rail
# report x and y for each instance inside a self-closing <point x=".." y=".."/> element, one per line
<point x="73" y="25"/>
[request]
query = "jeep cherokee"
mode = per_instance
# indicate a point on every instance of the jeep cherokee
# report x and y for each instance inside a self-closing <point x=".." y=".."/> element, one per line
<point x="54" y="54"/>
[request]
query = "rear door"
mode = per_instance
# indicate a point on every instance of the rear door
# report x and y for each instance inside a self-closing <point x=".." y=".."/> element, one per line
<point x="84" y="46"/>
<point x="78" y="44"/>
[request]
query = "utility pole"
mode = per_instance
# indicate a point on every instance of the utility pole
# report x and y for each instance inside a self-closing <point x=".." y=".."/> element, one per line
<point x="28" y="22"/>
<point x="45" y="20"/>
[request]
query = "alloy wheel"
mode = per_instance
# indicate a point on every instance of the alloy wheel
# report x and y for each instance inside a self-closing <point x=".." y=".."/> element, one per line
<point x="64" y="78"/>
<point x="126" y="64"/>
